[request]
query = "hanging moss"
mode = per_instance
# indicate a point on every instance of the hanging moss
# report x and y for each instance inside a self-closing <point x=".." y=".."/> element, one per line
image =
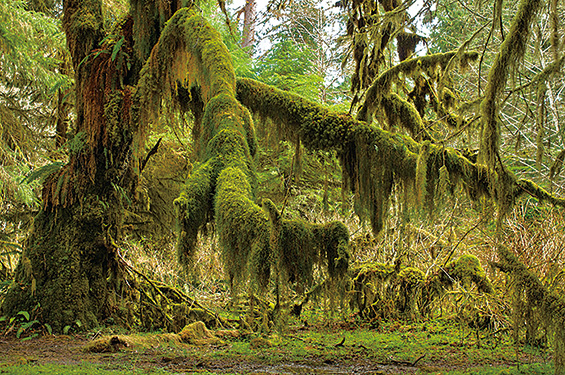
<point x="383" y="83"/>
<point x="298" y="245"/>
<point x="373" y="159"/>
<point x="333" y="240"/>
<point x="403" y="114"/>
<point x="406" y="44"/>
<point x="189" y="51"/>
<point x="511" y="50"/>
<point x="421" y="172"/>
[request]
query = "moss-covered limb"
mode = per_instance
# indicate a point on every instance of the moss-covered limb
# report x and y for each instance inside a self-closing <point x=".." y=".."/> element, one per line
<point x="317" y="127"/>
<point x="531" y="188"/>
<point x="372" y="158"/>
<point x="550" y="304"/>
<point x="191" y="52"/>
<point x="224" y="113"/>
<point x="383" y="83"/>
<point x="511" y="50"/>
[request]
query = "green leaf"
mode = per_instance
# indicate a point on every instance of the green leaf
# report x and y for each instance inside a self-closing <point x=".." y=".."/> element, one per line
<point x="78" y="323"/>
<point x="66" y="329"/>
<point x="49" y="329"/>
<point x="25" y="314"/>
<point x="43" y="172"/>
<point x="117" y="47"/>
<point x="30" y="337"/>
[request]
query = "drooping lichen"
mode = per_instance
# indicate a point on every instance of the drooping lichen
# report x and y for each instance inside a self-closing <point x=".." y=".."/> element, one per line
<point x="298" y="245"/>
<point x="383" y="83"/>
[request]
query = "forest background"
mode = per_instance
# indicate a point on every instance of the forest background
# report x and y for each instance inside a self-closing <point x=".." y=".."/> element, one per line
<point x="405" y="227"/>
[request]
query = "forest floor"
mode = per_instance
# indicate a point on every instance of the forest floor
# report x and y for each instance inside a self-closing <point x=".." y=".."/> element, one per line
<point x="437" y="347"/>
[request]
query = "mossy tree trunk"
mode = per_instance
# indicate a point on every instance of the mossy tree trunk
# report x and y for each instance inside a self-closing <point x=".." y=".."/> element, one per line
<point x="69" y="273"/>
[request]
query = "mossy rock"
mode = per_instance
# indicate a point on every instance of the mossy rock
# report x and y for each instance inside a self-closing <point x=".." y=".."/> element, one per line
<point x="105" y="345"/>
<point x="197" y="334"/>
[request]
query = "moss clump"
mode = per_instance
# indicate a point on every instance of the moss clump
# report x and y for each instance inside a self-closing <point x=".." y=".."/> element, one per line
<point x="105" y="345"/>
<point x="467" y="269"/>
<point x="197" y="334"/>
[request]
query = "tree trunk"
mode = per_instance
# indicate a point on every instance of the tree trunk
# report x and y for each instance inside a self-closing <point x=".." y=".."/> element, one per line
<point x="249" y="21"/>
<point x="68" y="273"/>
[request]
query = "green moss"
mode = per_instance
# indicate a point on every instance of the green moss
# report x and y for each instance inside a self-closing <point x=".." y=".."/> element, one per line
<point x="401" y="113"/>
<point x="467" y="269"/>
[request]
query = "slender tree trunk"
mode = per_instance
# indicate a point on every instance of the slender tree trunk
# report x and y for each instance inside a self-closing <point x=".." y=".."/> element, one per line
<point x="249" y="22"/>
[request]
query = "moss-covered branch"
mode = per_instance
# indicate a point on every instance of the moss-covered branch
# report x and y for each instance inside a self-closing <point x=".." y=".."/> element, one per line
<point x="511" y="50"/>
<point x="189" y="51"/>
<point x="373" y="158"/>
<point x="383" y="83"/>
